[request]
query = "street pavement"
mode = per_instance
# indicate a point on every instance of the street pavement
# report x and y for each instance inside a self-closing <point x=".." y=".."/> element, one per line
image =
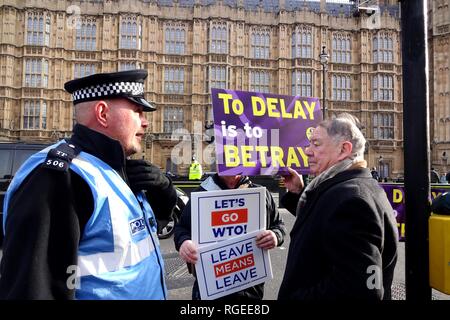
<point x="179" y="281"/>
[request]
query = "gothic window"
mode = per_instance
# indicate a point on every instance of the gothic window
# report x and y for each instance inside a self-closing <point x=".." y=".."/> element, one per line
<point x="130" y="33"/>
<point x="342" y="87"/>
<point x="302" y="43"/>
<point x="38" y="29"/>
<point x="217" y="77"/>
<point x="36" y="73"/>
<point x="128" y="65"/>
<point x="383" y="126"/>
<point x="341" y="48"/>
<point x="83" y="70"/>
<point x="173" y="119"/>
<point x="383" y="48"/>
<point x="34" y="115"/>
<point x="260" y="44"/>
<point x="218" y="38"/>
<point x="175" y="40"/>
<point x="174" y="80"/>
<point x="302" y="83"/>
<point x="86" y="36"/>
<point x="383" y="87"/>
<point x="260" y="81"/>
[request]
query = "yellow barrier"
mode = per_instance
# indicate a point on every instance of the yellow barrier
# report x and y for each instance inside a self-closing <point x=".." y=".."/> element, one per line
<point x="439" y="256"/>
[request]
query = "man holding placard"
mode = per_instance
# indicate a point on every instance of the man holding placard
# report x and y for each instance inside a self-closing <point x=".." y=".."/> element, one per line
<point x="267" y="239"/>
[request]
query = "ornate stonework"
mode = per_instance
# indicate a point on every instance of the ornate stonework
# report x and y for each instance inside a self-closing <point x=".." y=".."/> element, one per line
<point x="45" y="43"/>
<point x="439" y="82"/>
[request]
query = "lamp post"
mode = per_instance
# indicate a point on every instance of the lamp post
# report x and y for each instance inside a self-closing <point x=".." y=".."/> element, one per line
<point x="444" y="158"/>
<point x="148" y="137"/>
<point x="324" y="61"/>
<point x="380" y="167"/>
<point x="55" y="135"/>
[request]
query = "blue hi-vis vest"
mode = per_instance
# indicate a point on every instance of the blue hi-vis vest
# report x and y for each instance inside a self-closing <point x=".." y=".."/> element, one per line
<point x="118" y="255"/>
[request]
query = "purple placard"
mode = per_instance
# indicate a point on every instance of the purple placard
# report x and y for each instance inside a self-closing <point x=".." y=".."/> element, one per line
<point x="396" y="195"/>
<point x="262" y="133"/>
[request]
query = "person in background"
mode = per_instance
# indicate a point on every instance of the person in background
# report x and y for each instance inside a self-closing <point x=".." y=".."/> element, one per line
<point x="195" y="170"/>
<point x="375" y="174"/>
<point x="434" y="176"/>
<point x="80" y="218"/>
<point x="267" y="239"/>
<point x="344" y="240"/>
<point x="441" y="204"/>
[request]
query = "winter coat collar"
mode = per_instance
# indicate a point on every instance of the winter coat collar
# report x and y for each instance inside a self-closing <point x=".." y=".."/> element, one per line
<point x="99" y="145"/>
<point x="314" y="195"/>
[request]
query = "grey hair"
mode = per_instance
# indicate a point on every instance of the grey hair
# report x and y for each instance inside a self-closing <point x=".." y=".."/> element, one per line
<point x="346" y="127"/>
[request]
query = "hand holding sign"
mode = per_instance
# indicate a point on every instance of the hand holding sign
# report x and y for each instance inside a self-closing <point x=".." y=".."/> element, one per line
<point x="223" y="214"/>
<point x="188" y="251"/>
<point x="266" y="239"/>
<point x="231" y="265"/>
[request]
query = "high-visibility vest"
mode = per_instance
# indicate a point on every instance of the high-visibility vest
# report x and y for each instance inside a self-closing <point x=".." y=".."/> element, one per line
<point x="195" y="171"/>
<point x="119" y="255"/>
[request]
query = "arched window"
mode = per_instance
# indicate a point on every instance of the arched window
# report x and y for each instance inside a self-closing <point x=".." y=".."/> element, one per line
<point x="38" y="29"/>
<point x="383" y="48"/>
<point x="217" y="77"/>
<point x="174" y="80"/>
<point x="174" y="39"/>
<point x="341" y="86"/>
<point x="173" y="119"/>
<point x="260" y="81"/>
<point x="36" y="73"/>
<point x="218" y="38"/>
<point x="341" y="48"/>
<point x="383" y="126"/>
<point x="34" y="115"/>
<point x="130" y="34"/>
<point x="86" y="36"/>
<point x="302" y="42"/>
<point x="260" y="44"/>
<point x="301" y="83"/>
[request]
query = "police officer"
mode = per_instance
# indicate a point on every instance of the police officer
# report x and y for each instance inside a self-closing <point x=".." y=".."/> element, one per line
<point x="80" y="218"/>
<point x="195" y="170"/>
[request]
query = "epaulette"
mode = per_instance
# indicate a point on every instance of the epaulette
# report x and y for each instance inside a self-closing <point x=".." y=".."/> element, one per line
<point x="60" y="157"/>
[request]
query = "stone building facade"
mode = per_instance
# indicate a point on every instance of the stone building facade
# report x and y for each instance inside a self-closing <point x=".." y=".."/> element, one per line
<point x="191" y="46"/>
<point x="439" y="82"/>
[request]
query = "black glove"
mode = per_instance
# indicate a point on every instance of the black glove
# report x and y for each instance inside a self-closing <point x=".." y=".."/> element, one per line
<point x="143" y="175"/>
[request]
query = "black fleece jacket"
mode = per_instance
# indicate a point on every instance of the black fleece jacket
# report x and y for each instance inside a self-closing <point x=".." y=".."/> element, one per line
<point x="274" y="223"/>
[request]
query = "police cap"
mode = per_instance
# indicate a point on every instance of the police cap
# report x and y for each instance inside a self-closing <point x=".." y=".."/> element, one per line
<point x="125" y="84"/>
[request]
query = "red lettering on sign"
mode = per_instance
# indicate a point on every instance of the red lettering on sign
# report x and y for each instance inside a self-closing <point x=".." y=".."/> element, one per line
<point x="234" y="265"/>
<point x="235" y="216"/>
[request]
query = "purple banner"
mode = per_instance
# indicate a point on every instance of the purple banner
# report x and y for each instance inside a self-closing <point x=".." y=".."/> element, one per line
<point x="396" y="195"/>
<point x="262" y="134"/>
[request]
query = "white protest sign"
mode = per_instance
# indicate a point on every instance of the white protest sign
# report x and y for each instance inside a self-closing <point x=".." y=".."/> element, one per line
<point x="222" y="214"/>
<point x="231" y="265"/>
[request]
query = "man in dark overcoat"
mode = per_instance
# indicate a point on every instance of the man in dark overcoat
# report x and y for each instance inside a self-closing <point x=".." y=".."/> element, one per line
<point x="344" y="240"/>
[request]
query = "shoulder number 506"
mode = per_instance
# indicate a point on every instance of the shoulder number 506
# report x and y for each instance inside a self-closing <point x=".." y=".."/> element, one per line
<point x="55" y="163"/>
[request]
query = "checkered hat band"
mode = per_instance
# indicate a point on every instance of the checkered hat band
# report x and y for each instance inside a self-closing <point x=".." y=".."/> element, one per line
<point x="109" y="89"/>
